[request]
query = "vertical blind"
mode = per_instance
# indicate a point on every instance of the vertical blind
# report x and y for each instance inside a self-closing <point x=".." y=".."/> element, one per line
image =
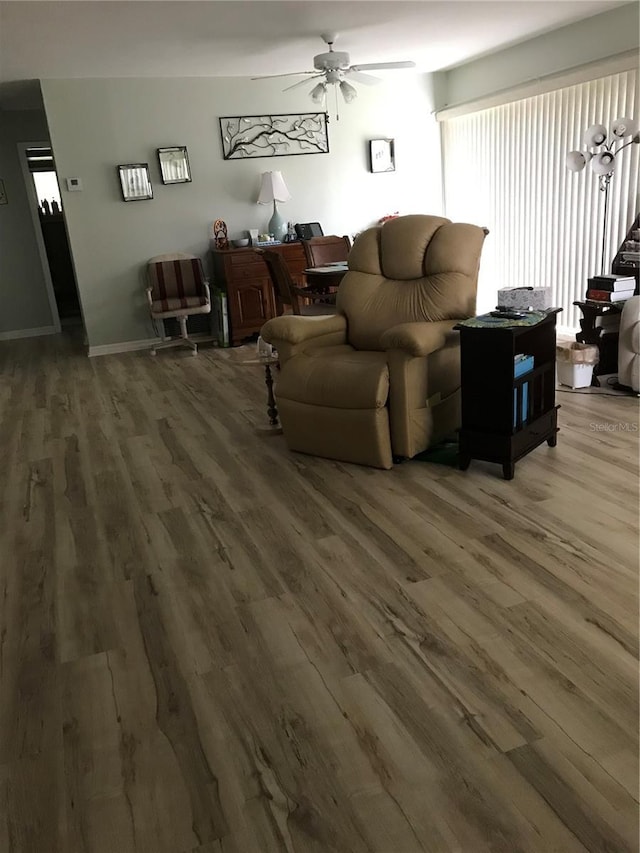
<point x="504" y="168"/>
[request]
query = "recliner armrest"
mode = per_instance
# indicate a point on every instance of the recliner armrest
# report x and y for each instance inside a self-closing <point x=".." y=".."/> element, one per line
<point x="294" y="329"/>
<point x="420" y="339"/>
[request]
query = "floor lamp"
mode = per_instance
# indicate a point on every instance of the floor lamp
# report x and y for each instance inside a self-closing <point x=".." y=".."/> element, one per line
<point x="603" y="156"/>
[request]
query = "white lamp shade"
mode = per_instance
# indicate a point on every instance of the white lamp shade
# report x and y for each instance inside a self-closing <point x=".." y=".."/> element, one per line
<point x="273" y="188"/>
<point x="603" y="164"/>
<point x="624" y="127"/>
<point x="594" y="135"/>
<point x="349" y="92"/>
<point x="575" y="161"/>
<point x="318" y="92"/>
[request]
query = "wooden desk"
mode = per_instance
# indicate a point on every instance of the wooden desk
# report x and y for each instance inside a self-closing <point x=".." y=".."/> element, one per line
<point x="325" y="278"/>
<point x="244" y="277"/>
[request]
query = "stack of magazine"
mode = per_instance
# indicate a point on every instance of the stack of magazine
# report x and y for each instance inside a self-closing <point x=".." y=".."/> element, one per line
<point x="610" y="288"/>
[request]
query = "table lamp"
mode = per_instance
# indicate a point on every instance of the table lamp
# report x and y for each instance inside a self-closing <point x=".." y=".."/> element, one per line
<point x="274" y="189"/>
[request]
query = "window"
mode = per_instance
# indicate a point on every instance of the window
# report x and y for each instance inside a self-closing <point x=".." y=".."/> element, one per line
<point x="504" y="168"/>
<point x="42" y="168"/>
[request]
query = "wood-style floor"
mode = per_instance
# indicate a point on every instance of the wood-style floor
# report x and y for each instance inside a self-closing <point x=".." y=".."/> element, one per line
<point x="210" y="644"/>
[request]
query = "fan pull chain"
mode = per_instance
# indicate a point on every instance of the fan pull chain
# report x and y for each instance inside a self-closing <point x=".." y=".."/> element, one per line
<point x="335" y="92"/>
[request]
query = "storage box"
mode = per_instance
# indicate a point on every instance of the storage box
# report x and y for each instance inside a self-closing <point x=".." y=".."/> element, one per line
<point x="525" y="298"/>
<point x="521" y="364"/>
<point x="575" y="364"/>
<point x="575" y="375"/>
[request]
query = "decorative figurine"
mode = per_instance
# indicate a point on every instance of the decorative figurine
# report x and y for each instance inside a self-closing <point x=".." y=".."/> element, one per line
<point x="45" y="207"/>
<point x="55" y="207"/>
<point x="220" y="234"/>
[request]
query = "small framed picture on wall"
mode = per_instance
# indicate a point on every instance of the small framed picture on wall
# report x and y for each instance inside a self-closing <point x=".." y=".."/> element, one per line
<point x="381" y="155"/>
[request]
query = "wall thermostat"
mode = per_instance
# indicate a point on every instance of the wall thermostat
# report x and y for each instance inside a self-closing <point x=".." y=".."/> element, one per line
<point x="74" y="185"/>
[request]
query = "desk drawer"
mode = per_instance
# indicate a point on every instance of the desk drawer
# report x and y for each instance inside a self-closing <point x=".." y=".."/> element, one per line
<point x="243" y="258"/>
<point x="249" y="271"/>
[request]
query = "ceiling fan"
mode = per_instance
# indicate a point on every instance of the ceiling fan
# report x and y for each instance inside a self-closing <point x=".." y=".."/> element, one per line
<point x="333" y="66"/>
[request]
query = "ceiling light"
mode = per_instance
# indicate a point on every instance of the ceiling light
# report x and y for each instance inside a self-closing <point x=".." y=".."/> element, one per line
<point x="348" y="91"/>
<point x="318" y="92"/>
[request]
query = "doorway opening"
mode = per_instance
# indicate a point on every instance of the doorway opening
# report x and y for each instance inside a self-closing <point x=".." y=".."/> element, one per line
<point x="50" y="214"/>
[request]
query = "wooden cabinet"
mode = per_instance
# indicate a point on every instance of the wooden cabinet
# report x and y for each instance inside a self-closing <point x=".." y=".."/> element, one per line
<point x="244" y="277"/>
<point x="504" y="417"/>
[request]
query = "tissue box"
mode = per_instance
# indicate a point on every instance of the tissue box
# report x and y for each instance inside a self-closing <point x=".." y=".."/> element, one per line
<point x="525" y="298"/>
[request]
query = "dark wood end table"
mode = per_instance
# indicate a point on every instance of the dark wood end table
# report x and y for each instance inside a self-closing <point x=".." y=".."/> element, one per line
<point x="591" y="334"/>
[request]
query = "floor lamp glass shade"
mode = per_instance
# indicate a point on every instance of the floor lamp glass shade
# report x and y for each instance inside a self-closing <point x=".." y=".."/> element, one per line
<point x="272" y="190"/>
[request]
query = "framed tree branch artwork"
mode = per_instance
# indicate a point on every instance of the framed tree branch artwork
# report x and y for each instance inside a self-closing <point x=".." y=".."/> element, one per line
<point x="273" y="135"/>
<point x="382" y="155"/>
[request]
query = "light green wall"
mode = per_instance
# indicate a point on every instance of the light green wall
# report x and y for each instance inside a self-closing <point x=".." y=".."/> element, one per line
<point x="97" y="124"/>
<point x="592" y="39"/>
<point x="23" y="297"/>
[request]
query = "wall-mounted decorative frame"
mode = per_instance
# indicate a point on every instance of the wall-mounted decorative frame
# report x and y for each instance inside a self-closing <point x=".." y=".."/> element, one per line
<point x="382" y="156"/>
<point x="274" y="135"/>
<point x="135" y="182"/>
<point x="174" y="165"/>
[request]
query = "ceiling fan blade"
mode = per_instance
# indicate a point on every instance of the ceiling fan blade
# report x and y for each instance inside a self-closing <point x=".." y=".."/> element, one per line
<point x="289" y="74"/>
<point x="380" y="66"/>
<point x="302" y="82"/>
<point x="359" y="77"/>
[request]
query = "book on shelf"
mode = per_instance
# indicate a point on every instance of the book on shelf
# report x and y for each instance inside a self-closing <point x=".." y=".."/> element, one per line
<point x="609" y="295"/>
<point x="611" y="282"/>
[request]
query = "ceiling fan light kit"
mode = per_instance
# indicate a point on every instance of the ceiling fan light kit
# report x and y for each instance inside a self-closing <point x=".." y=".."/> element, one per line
<point x="334" y="67"/>
<point x="318" y="93"/>
<point x="348" y="91"/>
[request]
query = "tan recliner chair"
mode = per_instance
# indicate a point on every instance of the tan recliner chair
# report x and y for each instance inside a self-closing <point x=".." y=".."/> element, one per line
<point x="382" y="377"/>
<point x="629" y="345"/>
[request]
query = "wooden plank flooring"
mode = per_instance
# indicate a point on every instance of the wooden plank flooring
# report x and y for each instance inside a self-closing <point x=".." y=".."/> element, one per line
<point x="209" y="644"/>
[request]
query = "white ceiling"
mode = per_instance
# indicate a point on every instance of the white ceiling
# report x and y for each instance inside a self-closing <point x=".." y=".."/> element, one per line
<point x="91" y="38"/>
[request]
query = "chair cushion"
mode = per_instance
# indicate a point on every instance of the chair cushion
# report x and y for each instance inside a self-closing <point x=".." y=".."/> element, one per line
<point x="340" y="377"/>
<point x="181" y="278"/>
<point x="184" y="304"/>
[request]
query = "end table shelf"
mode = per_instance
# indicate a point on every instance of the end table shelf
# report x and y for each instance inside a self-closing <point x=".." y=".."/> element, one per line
<point x="501" y="421"/>
<point x="590" y="333"/>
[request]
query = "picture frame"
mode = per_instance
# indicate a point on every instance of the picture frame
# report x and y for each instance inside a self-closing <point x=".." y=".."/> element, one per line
<point x="174" y="165"/>
<point x="382" y="155"/>
<point x="279" y="135"/>
<point x="135" y="181"/>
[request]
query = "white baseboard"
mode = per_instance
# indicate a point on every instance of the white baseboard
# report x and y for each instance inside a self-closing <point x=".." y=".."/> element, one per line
<point x="123" y="346"/>
<point x="29" y="333"/>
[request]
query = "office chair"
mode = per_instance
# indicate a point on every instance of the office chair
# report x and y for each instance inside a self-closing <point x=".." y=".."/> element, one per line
<point x="287" y="292"/>
<point x="177" y="288"/>
<point x="326" y="250"/>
